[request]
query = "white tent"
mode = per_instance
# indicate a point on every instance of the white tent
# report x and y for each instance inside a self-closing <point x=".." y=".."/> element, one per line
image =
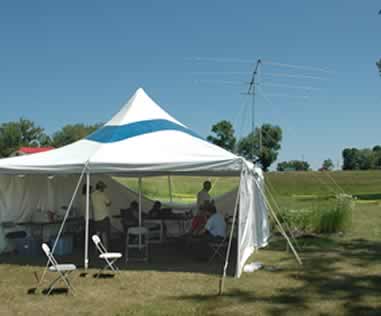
<point x="143" y="140"/>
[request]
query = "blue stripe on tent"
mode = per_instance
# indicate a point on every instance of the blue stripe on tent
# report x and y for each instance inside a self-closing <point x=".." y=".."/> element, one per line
<point x="110" y="134"/>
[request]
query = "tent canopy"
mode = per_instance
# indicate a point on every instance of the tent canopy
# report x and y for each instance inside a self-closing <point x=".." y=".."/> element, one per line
<point x="141" y="139"/>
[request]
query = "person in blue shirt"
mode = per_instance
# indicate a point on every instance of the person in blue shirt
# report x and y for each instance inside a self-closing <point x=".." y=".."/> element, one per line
<point x="215" y="227"/>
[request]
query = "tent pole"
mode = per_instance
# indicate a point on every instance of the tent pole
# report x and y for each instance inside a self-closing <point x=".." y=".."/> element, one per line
<point x="87" y="218"/>
<point x="170" y="188"/>
<point x="63" y="224"/>
<point x="223" y="276"/>
<point x="140" y="210"/>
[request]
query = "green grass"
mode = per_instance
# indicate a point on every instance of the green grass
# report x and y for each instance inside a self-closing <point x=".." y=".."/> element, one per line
<point x="184" y="189"/>
<point x="341" y="274"/>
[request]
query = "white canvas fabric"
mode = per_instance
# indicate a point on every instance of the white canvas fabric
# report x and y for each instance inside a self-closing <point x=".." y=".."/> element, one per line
<point x="253" y="225"/>
<point x="140" y="140"/>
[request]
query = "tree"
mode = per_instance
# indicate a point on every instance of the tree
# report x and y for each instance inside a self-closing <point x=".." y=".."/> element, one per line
<point x="263" y="144"/>
<point x="379" y="66"/>
<point x="72" y="132"/>
<point x="23" y="132"/>
<point x="362" y="159"/>
<point x="293" y="165"/>
<point x="351" y="159"/>
<point x="327" y="165"/>
<point x="224" y="135"/>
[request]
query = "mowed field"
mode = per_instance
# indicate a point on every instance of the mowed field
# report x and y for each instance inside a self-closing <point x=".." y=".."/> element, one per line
<point x="341" y="274"/>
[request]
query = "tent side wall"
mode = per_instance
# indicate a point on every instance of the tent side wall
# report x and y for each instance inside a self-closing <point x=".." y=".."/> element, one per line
<point x="29" y="197"/>
<point x="253" y="224"/>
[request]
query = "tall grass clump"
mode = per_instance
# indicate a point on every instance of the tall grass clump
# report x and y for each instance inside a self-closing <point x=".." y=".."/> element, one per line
<point x="330" y="218"/>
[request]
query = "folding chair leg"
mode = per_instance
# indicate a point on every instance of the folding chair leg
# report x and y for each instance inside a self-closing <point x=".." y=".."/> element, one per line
<point x="216" y="252"/>
<point x="67" y="282"/>
<point x="51" y="285"/>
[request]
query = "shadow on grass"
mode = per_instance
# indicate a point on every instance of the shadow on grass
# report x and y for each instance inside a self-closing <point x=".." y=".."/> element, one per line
<point x="103" y="275"/>
<point x="373" y="196"/>
<point x="56" y="291"/>
<point x="343" y="273"/>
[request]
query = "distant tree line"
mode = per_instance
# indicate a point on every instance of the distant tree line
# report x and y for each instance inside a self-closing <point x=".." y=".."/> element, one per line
<point x="293" y="165"/>
<point x="24" y="132"/>
<point x="362" y="159"/>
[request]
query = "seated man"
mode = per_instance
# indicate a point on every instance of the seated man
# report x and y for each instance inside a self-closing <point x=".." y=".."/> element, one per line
<point x="155" y="210"/>
<point x="215" y="227"/>
<point x="130" y="216"/>
<point x="214" y="230"/>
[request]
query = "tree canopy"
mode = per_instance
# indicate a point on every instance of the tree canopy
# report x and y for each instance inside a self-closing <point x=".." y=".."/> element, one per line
<point x="71" y="133"/>
<point x="327" y="165"/>
<point x="23" y="132"/>
<point x="224" y="135"/>
<point x="362" y="159"/>
<point x="263" y="144"/>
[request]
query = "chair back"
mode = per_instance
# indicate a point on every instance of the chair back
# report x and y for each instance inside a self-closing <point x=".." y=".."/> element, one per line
<point x="98" y="243"/>
<point x="48" y="253"/>
<point x="137" y="230"/>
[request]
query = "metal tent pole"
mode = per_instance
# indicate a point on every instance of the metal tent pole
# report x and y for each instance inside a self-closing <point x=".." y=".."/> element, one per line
<point x="222" y="280"/>
<point x="170" y="188"/>
<point x="63" y="224"/>
<point x="86" y="263"/>
<point x="140" y="211"/>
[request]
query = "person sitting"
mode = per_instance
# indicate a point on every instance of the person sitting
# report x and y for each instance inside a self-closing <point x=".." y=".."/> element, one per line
<point x="200" y="219"/>
<point x="213" y="231"/>
<point x="155" y="211"/>
<point x="215" y="227"/>
<point x="130" y="216"/>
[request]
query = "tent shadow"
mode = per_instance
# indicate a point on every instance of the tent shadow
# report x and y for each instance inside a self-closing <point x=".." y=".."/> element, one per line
<point x="163" y="257"/>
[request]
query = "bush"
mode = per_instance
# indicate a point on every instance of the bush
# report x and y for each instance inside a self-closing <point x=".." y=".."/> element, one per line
<point x="328" y="219"/>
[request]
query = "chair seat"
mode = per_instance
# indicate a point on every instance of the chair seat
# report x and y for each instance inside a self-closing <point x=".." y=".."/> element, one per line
<point x="110" y="255"/>
<point x="62" y="267"/>
<point x="137" y="230"/>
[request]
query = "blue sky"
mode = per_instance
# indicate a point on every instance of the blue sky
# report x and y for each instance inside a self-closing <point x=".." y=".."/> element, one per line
<point x="78" y="61"/>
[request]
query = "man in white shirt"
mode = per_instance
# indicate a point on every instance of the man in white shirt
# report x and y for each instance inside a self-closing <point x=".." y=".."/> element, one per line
<point x="203" y="196"/>
<point x="216" y="226"/>
<point x="101" y="210"/>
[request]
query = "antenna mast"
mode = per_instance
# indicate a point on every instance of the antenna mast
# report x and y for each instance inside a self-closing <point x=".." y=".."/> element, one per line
<point x="251" y="91"/>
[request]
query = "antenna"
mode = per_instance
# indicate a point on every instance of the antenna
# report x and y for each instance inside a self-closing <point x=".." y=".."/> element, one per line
<point x="251" y="91"/>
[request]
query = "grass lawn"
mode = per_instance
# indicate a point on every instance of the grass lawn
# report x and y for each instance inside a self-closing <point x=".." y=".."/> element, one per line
<point x="341" y="274"/>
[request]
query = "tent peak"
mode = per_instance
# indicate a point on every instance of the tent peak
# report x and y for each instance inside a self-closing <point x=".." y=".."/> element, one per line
<point x="140" y="107"/>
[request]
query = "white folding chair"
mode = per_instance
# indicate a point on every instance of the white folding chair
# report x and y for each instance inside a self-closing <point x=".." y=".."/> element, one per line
<point x="108" y="257"/>
<point x="62" y="269"/>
